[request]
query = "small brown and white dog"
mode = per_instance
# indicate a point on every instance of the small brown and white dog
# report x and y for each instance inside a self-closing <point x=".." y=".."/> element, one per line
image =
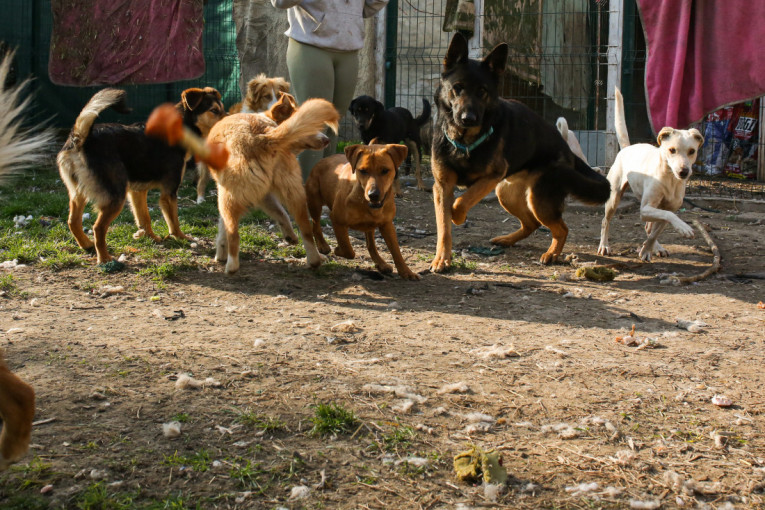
<point x="205" y="122"/>
<point x="263" y="172"/>
<point x="107" y="163"/>
<point x="18" y="148"/>
<point x="262" y="93"/>
<point x="358" y="187"/>
<point x="657" y="176"/>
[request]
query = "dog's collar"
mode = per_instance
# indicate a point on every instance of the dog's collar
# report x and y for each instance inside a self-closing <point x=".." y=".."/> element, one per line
<point x="467" y="148"/>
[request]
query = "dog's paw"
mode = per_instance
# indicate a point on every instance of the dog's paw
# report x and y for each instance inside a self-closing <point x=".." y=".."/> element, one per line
<point x="316" y="260"/>
<point x="350" y="254"/>
<point x="660" y="251"/>
<point x="323" y="248"/>
<point x="645" y="253"/>
<point x="502" y="240"/>
<point x="232" y="265"/>
<point x="440" y="264"/>
<point x="604" y="249"/>
<point x="548" y="258"/>
<point x="409" y="275"/>
<point x="685" y="230"/>
<point x="293" y="240"/>
<point x="458" y="216"/>
<point x="384" y="268"/>
<point x="200" y="199"/>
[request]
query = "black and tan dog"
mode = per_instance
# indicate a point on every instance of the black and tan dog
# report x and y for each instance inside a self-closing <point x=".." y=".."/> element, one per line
<point x="358" y="189"/>
<point x="107" y="163"/>
<point x="484" y="142"/>
<point x="394" y="125"/>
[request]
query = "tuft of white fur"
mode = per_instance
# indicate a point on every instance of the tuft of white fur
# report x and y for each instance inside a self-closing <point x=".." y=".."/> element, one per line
<point x="171" y="430"/>
<point x="458" y="387"/>
<point x="19" y="147"/>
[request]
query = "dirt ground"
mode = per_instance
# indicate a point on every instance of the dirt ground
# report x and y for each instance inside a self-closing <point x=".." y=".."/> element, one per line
<point x="580" y="420"/>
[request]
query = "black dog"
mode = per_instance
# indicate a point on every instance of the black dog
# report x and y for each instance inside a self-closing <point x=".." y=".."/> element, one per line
<point x="107" y="163"/>
<point x="394" y="125"/>
<point x="484" y="142"/>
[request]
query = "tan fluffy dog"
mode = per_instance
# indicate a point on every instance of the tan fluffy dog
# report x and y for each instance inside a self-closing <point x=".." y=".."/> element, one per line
<point x="262" y="93"/>
<point x="358" y="188"/>
<point x="263" y="172"/>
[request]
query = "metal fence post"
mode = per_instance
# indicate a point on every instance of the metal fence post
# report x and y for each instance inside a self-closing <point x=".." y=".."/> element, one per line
<point x="391" y="44"/>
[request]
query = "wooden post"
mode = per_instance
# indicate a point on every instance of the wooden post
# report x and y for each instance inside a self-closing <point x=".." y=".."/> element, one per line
<point x="761" y="148"/>
<point x="615" y="30"/>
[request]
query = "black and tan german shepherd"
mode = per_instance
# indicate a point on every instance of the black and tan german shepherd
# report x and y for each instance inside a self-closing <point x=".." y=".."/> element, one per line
<point x="484" y="142"/>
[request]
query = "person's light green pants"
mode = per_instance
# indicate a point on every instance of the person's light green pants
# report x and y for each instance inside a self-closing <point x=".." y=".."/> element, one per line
<point x="330" y="75"/>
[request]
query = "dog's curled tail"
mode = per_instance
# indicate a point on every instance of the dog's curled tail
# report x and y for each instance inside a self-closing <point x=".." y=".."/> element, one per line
<point x="620" y="125"/>
<point x="19" y="146"/>
<point x="308" y="120"/>
<point x="587" y="184"/>
<point x="425" y="115"/>
<point x="107" y="98"/>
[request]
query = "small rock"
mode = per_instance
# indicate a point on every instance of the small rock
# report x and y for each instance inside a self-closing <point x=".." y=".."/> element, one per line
<point x="171" y="430"/>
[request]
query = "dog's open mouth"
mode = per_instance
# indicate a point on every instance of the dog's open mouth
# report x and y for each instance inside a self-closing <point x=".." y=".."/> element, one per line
<point x="375" y="205"/>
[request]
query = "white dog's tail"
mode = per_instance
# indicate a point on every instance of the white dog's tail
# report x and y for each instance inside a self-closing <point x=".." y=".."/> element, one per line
<point x="562" y="126"/>
<point x="620" y="124"/>
<point x="309" y="119"/>
<point x="107" y="98"/>
<point x="18" y="146"/>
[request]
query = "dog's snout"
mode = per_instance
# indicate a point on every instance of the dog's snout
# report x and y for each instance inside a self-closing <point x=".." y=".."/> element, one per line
<point x="685" y="172"/>
<point x="373" y="195"/>
<point x="468" y="118"/>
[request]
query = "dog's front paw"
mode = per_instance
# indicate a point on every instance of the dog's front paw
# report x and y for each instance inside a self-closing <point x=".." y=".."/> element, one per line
<point x="408" y="274"/>
<point x="200" y="199"/>
<point x="384" y="268"/>
<point x="645" y="253"/>
<point x="548" y="258"/>
<point x="316" y="260"/>
<point x="143" y="233"/>
<point x="346" y="254"/>
<point x="604" y="249"/>
<point x="440" y="264"/>
<point x="685" y="230"/>
<point x="458" y="215"/>
<point x="660" y="250"/>
<point x="232" y="265"/>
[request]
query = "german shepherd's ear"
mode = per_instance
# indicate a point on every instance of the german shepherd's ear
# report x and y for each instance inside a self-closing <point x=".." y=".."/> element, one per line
<point x="457" y="52"/>
<point x="352" y="153"/>
<point x="497" y="59"/>
<point x="397" y="153"/>
<point x="665" y="132"/>
<point x="191" y="98"/>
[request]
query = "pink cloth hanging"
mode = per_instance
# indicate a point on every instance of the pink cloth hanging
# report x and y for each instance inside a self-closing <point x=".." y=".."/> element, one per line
<point x="117" y="42"/>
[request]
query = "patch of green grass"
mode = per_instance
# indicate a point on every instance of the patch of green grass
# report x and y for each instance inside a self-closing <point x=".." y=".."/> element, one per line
<point x="24" y="501"/>
<point x="97" y="497"/>
<point x="35" y="474"/>
<point x="260" y="421"/>
<point x="333" y="418"/>
<point x="8" y="284"/>
<point x="248" y="475"/>
<point x="400" y="437"/>
<point x="173" y="502"/>
<point x="463" y="265"/>
<point x="199" y="461"/>
<point x="180" y="417"/>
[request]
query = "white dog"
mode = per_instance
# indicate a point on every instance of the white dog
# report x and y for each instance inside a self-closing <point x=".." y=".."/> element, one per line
<point x="657" y="177"/>
<point x="570" y="138"/>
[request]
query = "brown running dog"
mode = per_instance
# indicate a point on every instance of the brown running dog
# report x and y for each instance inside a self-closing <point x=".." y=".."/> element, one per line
<point x="358" y="188"/>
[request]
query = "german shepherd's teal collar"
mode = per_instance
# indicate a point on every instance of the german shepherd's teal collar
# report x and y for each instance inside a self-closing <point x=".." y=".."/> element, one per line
<point x="467" y="148"/>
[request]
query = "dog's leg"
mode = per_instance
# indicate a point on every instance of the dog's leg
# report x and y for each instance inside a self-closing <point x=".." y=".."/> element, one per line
<point x="343" y="248"/>
<point x="610" y="210"/>
<point x="271" y="206"/>
<point x="443" y="200"/>
<point x="651" y="245"/>
<point x="315" y="206"/>
<point x="388" y="232"/>
<point x="513" y="200"/>
<point x="380" y="264"/>
<point x="140" y="208"/>
<point x="76" y="207"/>
<point x="106" y="215"/>
<point x="17" y="410"/>
<point x="203" y="176"/>
<point x="559" y="232"/>
<point x="472" y="196"/>
<point x="650" y="211"/>
<point x="221" y="243"/>
<point x="229" y="225"/>
<point x="297" y="205"/>
<point x="168" y="203"/>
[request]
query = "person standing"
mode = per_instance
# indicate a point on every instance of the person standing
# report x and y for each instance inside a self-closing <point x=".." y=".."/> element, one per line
<point x="325" y="37"/>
